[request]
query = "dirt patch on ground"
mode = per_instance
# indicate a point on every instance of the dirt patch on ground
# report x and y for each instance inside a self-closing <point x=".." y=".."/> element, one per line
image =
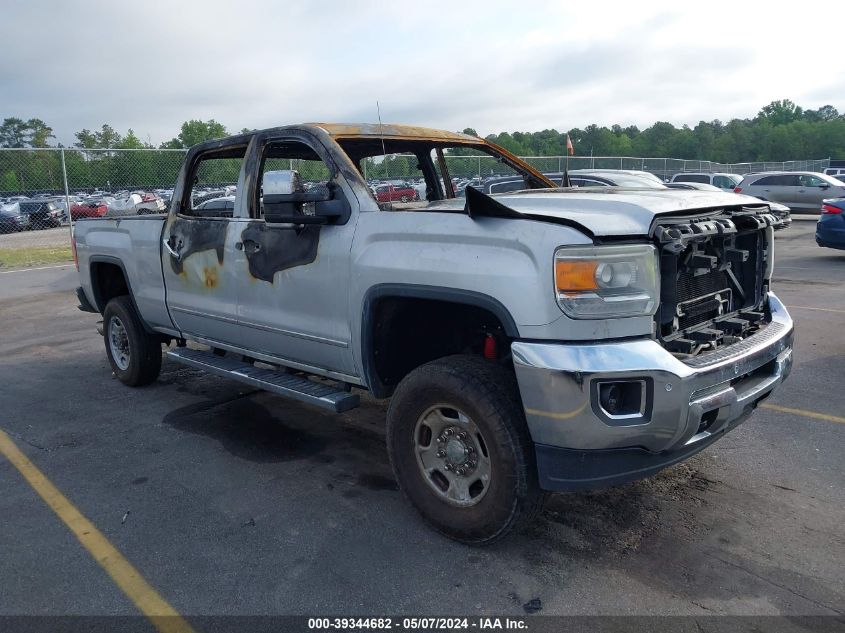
<point x="607" y="525"/>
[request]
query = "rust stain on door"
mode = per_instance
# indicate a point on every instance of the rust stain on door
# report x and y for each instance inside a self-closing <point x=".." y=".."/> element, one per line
<point x="210" y="276"/>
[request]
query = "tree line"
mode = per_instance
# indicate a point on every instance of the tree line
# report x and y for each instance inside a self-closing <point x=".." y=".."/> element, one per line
<point x="780" y="131"/>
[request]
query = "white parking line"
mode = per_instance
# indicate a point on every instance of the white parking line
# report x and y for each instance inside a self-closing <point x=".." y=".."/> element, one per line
<point x="26" y="270"/>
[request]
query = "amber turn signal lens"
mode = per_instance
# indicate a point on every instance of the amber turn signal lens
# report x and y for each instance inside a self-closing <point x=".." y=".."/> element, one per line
<point x="572" y="276"/>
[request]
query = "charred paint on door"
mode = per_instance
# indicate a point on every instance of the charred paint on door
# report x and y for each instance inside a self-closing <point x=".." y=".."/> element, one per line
<point x="272" y="249"/>
<point x="190" y="235"/>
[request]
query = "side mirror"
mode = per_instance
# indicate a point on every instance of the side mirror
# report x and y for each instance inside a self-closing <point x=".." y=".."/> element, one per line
<point x="281" y="182"/>
<point x="287" y="208"/>
<point x="825" y="186"/>
<point x="285" y="202"/>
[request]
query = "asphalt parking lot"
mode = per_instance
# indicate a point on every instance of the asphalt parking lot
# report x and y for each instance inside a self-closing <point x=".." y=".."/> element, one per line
<point x="230" y="501"/>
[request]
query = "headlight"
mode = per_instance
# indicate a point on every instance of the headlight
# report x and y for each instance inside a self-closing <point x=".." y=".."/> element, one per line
<point x="607" y="281"/>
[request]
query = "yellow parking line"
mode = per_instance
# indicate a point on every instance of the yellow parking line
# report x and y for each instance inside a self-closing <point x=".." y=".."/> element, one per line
<point x="816" y="309"/>
<point x="149" y="602"/>
<point x="804" y="412"/>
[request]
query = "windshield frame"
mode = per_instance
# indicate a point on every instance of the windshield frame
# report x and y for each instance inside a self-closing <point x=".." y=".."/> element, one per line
<point x="358" y="148"/>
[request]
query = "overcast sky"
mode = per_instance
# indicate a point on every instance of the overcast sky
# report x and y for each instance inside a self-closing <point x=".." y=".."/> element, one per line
<point x="494" y="66"/>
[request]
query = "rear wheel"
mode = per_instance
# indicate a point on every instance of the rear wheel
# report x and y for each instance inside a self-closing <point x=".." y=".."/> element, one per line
<point x="404" y="199"/>
<point x="460" y="449"/>
<point x="134" y="354"/>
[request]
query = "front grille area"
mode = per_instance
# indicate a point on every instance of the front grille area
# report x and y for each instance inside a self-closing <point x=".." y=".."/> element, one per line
<point x="712" y="286"/>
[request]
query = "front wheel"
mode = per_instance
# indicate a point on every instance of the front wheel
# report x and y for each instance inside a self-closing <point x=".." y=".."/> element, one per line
<point x="134" y="354"/>
<point x="460" y="449"/>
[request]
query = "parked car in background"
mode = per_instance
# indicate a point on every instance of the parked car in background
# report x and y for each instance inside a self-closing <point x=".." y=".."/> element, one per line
<point x="577" y="178"/>
<point x="11" y="218"/>
<point x="836" y="172"/>
<point x="30" y="215"/>
<point x="501" y="184"/>
<point x="611" y="178"/>
<point x="89" y="209"/>
<point x="152" y="203"/>
<point x="635" y="172"/>
<point x="420" y="188"/>
<point x="124" y="205"/>
<point x="396" y="193"/>
<point x="698" y="186"/>
<point x="201" y="195"/>
<point x="43" y="213"/>
<point x="218" y="207"/>
<point x="136" y="203"/>
<point x="798" y="190"/>
<point x="830" y="229"/>
<point x="725" y="182"/>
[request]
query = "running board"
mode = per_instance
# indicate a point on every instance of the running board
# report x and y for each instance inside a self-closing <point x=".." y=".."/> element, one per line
<point x="296" y="387"/>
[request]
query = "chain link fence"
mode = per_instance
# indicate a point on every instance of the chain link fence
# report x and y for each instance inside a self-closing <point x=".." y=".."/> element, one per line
<point x="43" y="191"/>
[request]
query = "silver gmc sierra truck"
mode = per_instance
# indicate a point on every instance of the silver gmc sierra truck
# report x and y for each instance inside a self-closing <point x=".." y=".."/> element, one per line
<point x="546" y="339"/>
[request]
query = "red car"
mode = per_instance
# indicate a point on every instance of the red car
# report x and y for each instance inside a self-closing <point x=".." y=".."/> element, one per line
<point x="88" y="210"/>
<point x="396" y="193"/>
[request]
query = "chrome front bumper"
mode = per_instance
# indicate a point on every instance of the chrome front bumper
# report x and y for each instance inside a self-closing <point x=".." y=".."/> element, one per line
<point x="687" y="406"/>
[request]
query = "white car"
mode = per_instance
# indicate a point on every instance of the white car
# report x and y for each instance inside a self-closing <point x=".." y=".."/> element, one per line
<point x="725" y="182"/>
<point x="135" y="204"/>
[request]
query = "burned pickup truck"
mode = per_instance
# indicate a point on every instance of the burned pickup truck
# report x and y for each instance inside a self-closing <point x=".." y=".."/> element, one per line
<point x="549" y="339"/>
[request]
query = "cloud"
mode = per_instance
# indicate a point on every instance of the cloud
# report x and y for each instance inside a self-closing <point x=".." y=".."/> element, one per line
<point x="489" y="65"/>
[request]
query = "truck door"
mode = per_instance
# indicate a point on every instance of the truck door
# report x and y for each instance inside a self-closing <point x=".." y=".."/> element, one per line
<point x="293" y="300"/>
<point x="198" y="246"/>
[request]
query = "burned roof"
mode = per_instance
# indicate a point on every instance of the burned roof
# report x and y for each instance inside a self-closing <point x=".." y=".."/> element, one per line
<point x="392" y="131"/>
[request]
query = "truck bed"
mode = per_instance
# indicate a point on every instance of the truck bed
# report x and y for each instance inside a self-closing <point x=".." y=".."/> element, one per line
<point x="134" y="244"/>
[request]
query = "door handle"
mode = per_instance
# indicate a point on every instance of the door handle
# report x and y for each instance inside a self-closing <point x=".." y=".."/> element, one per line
<point x="173" y="252"/>
<point x="250" y="246"/>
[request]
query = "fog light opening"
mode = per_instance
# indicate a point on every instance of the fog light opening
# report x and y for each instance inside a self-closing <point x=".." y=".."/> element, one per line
<point x="622" y="398"/>
<point x="707" y="420"/>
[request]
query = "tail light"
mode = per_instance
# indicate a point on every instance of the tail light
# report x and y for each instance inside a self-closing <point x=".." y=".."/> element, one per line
<point x="73" y="249"/>
<point x="737" y="189"/>
<point x="490" y="351"/>
<point x="829" y="209"/>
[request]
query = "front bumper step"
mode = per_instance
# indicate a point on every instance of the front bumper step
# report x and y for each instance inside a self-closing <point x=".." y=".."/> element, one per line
<point x="299" y="388"/>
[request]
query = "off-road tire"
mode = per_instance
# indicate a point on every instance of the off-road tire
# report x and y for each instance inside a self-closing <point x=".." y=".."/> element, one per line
<point x="487" y="393"/>
<point x="144" y="363"/>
